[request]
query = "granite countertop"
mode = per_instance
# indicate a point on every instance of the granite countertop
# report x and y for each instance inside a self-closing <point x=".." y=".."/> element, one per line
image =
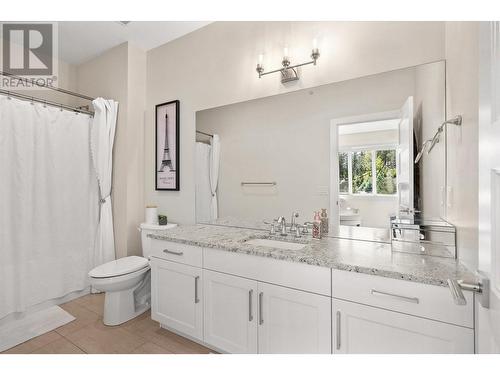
<point x="374" y="258"/>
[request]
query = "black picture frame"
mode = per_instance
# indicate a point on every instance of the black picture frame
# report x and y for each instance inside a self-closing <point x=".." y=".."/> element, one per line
<point x="167" y="169"/>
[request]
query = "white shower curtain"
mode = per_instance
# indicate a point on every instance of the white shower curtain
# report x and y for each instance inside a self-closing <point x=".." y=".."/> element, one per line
<point x="101" y="145"/>
<point x="203" y="190"/>
<point x="214" y="174"/>
<point x="48" y="211"/>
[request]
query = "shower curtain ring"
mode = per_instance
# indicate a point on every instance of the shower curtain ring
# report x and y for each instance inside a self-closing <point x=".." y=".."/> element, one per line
<point x="44" y="104"/>
<point x="8" y="95"/>
<point x="32" y="101"/>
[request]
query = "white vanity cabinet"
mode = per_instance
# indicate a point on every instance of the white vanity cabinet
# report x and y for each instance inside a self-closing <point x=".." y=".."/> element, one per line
<point x="239" y="303"/>
<point x="247" y="316"/>
<point x="243" y="315"/>
<point x="292" y="321"/>
<point x="372" y="314"/>
<point x="361" y="329"/>
<point x="176" y="296"/>
<point x="230" y="319"/>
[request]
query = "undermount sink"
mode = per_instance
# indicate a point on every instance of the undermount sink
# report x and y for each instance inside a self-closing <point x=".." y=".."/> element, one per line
<point x="276" y="244"/>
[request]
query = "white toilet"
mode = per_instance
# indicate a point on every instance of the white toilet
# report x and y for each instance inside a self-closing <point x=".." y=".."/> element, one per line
<point x="127" y="281"/>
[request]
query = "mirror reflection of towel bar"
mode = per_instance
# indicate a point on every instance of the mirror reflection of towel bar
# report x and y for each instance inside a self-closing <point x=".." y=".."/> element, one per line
<point x="259" y="183"/>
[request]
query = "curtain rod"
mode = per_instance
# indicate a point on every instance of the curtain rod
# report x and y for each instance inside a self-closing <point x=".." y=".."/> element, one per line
<point x="47" y="102"/>
<point x="208" y="135"/>
<point x="35" y="82"/>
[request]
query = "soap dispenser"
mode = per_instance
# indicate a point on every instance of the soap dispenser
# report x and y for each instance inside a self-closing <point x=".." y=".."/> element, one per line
<point x="324" y="221"/>
<point x="316" y="229"/>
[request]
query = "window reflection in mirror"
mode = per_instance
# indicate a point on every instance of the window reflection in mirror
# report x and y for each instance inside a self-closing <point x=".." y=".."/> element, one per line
<point x="368" y="171"/>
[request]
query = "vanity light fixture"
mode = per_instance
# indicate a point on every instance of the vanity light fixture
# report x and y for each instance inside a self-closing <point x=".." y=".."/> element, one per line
<point x="289" y="72"/>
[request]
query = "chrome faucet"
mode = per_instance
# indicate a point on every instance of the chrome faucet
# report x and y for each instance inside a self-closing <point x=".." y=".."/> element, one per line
<point x="282" y="223"/>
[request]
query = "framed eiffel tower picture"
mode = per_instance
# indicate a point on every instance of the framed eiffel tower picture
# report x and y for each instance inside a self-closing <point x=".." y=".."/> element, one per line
<point x="167" y="146"/>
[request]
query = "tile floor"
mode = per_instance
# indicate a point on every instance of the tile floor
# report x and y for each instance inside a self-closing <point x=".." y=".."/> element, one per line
<point x="87" y="334"/>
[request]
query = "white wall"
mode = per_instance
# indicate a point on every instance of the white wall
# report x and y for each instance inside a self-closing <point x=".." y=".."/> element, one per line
<point x="375" y="212"/>
<point x="136" y="88"/>
<point x="215" y="65"/>
<point x="462" y="56"/>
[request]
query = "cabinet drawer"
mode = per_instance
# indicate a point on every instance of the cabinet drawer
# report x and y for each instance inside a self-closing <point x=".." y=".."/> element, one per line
<point x="361" y="329"/>
<point x="428" y="301"/>
<point x="177" y="252"/>
<point x="294" y="275"/>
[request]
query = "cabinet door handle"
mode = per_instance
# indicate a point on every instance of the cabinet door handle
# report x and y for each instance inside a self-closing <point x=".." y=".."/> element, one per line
<point x="337" y="330"/>
<point x="261" y="318"/>
<point x="250" y="298"/>
<point x="395" y="296"/>
<point x="167" y="251"/>
<point x="196" y="299"/>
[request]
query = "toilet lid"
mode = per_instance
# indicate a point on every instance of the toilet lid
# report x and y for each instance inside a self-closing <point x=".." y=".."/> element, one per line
<point x="119" y="267"/>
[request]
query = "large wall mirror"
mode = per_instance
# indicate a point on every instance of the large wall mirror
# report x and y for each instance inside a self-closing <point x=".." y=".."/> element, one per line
<point x="350" y="147"/>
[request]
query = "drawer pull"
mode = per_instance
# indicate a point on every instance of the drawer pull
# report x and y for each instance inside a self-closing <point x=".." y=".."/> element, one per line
<point x="337" y="330"/>
<point x="250" y="298"/>
<point x="196" y="299"/>
<point x="395" y="296"/>
<point x="167" y="251"/>
<point x="261" y="318"/>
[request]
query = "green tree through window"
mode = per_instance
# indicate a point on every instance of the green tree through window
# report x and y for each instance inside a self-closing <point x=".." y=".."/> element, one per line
<point x="363" y="164"/>
<point x="385" y="166"/>
<point x="362" y="181"/>
<point x="343" y="172"/>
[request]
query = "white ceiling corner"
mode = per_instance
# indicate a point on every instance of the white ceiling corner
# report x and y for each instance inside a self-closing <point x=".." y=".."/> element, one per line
<point x="80" y="41"/>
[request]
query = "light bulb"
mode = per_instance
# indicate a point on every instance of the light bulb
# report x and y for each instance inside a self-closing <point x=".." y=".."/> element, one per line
<point x="261" y="58"/>
<point x="285" y="52"/>
<point x="315" y="43"/>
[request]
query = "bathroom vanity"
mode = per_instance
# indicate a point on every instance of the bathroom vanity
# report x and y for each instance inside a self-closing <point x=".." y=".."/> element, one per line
<point x="216" y="285"/>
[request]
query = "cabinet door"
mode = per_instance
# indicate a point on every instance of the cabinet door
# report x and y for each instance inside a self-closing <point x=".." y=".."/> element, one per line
<point x="176" y="297"/>
<point x="230" y="312"/>
<point x="292" y="321"/>
<point x="370" y="330"/>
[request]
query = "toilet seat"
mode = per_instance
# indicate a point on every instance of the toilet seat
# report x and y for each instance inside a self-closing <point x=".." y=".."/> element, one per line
<point x="119" y="267"/>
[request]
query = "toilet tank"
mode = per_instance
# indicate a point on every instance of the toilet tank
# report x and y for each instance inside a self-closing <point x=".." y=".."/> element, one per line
<point x="146" y="229"/>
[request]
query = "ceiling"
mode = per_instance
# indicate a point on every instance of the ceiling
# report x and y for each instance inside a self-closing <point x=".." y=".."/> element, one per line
<point x="82" y="41"/>
<point x="372" y="126"/>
